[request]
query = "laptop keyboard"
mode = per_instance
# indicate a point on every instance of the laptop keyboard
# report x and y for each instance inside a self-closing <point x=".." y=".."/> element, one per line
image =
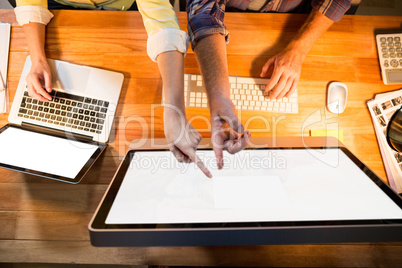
<point x="246" y="93"/>
<point x="66" y="110"/>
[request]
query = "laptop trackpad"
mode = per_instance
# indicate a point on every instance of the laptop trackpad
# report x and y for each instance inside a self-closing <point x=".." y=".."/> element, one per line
<point x="71" y="77"/>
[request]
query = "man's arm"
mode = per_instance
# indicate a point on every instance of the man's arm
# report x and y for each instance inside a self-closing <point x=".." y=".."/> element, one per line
<point x="226" y="128"/>
<point x="287" y="65"/>
<point x="209" y="36"/>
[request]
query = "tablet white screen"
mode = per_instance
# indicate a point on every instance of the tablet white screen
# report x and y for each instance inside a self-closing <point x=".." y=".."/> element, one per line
<point x="254" y="186"/>
<point x="43" y="153"/>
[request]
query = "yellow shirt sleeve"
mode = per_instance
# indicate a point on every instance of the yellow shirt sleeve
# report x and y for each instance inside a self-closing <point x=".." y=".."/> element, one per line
<point x="41" y="3"/>
<point x="157" y="14"/>
<point x="32" y="11"/>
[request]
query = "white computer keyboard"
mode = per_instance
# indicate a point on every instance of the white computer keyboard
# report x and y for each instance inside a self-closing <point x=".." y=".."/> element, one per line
<point x="246" y="93"/>
<point x="389" y="50"/>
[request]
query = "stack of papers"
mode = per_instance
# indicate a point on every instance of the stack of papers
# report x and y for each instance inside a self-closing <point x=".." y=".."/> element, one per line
<point x="382" y="107"/>
<point x="5" y="31"/>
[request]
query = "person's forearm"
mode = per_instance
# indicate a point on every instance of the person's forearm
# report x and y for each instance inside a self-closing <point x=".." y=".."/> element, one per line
<point x="35" y="36"/>
<point x="211" y="56"/>
<point x="315" y="26"/>
<point x="171" y="67"/>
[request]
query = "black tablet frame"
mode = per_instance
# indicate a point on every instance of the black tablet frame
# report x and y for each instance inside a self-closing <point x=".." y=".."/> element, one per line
<point x="244" y="233"/>
<point x="76" y="179"/>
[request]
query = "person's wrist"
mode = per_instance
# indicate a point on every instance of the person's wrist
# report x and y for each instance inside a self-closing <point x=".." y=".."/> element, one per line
<point x="173" y="112"/>
<point x="218" y="100"/>
<point x="38" y="60"/>
<point x="297" y="50"/>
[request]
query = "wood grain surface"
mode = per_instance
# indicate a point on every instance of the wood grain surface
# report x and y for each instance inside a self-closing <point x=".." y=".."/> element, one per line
<point x="43" y="221"/>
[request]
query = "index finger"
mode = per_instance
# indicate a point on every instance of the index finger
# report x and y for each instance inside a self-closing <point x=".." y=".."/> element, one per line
<point x="190" y="152"/>
<point x="276" y="74"/>
<point x="39" y="89"/>
<point x="217" y="145"/>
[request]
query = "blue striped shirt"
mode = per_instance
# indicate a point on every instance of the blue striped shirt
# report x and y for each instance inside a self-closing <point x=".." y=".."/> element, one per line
<point x="206" y="17"/>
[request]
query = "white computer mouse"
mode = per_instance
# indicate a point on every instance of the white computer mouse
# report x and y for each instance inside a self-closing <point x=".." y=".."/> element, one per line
<point x="337" y="96"/>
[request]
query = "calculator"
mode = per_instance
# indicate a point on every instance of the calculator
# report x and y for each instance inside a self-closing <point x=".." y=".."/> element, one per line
<point x="390" y="56"/>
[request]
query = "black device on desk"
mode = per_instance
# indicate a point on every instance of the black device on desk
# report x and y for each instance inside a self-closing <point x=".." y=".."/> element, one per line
<point x="261" y="196"/>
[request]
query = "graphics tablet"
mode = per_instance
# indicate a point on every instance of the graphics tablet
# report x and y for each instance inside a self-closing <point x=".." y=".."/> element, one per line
<point x="261" y="196"/>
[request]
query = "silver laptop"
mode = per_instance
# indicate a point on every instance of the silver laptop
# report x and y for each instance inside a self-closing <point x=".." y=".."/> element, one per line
<point x="62" y="138"/>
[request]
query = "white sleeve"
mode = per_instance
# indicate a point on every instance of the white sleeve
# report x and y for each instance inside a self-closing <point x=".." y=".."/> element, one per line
<point x="167" y="39"/>
<point x="27" y="14"/>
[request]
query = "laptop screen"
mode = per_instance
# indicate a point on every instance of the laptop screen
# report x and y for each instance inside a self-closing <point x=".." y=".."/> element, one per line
<point x="264" y="185"/>
<point x="44" y="154"/>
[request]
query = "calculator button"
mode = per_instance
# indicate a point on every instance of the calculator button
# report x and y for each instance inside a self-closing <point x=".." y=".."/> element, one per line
<point x="390" y="44"/>
<point x="398" y="49"/>
<point x="386" y="63"/>
<point x="384" y="50"/>
<point x="392" y="55"/>
<point x="398" y="44"/>
<point x="397" y="39"/>
<point x="385" y="55"/>
<point x="383" y="44"/>
<point x="390" y="39"/>
<point x="391" y="50"/>
<point x="394" y="63"/>
<point x="399" y="55"/>
<point x="383" y="39"/>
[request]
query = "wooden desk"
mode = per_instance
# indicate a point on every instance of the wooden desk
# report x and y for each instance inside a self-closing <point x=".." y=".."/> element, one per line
<point x="43" y="221"/>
